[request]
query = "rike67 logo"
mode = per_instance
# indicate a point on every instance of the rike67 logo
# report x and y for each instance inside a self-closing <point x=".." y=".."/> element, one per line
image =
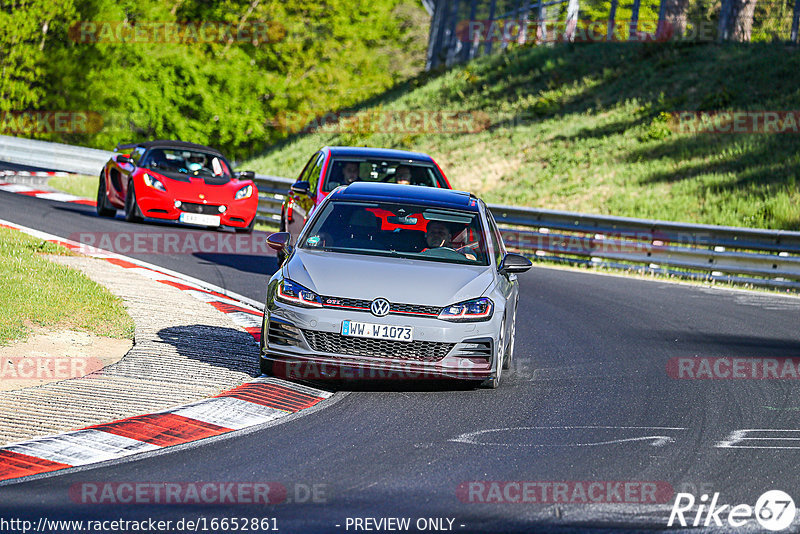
<point x="774" y="510"/>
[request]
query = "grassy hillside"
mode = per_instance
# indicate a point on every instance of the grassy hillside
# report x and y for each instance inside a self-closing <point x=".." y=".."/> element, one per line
<point x="584" y="128"/>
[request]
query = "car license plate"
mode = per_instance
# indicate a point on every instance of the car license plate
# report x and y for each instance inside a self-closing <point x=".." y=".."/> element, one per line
<point x="377" y="331"/>
<point x="199" y="218"/>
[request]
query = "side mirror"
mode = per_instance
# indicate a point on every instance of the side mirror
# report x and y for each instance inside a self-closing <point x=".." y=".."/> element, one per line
<point x="514" y="263"/>
<point x="247" y="175"/>
<point x="279" y="240"/>
<point x="301" y="188"/>
<point x="123" y="158"/>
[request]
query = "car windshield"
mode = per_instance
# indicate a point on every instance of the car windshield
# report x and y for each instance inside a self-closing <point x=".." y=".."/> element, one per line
<point x="344" y="171"/>
<point x="399" y="229"/>
<point x="188" y="163"/>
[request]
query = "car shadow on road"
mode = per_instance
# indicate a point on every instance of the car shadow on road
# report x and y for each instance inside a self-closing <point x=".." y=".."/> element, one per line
<point x="381" y="384"/>
<point x="222" y="347"/>
<point x="251" y="263"/>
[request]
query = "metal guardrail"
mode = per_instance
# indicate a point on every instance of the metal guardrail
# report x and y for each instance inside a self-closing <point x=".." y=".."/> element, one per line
<point x="55" y="156"/>
<point x="271" y="192"/>
<point x="767" y="258"/>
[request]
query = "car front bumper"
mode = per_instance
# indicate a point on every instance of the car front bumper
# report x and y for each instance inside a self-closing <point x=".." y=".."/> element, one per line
<point x="306" y="343"/>
<point x="155" y="204"/>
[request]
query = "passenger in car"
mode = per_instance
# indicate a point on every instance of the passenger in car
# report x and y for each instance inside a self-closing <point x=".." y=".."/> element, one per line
<point x="403" y="174"/>
<point x="350" y="172"/>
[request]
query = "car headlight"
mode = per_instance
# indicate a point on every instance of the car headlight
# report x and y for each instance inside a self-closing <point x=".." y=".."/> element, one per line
<point x="155" y="183"/>
<point x="245" y="192"/>
<point x="471" y="310"/>
<point x="293" y="293"/>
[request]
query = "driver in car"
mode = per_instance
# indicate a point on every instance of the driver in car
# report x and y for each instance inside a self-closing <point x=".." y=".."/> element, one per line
<point x="438" y="235"/>
<point x="195" y="162"/>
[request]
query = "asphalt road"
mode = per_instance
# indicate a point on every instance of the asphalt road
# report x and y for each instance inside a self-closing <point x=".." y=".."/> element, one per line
<point x="589" y="399"/>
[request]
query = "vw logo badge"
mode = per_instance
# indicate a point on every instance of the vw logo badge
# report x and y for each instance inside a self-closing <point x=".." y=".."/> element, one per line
<point x="379" y="307"/>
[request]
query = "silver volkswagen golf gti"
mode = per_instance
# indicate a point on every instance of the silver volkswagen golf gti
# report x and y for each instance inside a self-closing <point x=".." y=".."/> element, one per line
<point x="393" y="281"/>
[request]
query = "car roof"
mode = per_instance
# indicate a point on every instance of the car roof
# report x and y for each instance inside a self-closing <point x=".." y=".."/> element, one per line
<point x="167" y="143"/>
<point x="370" y="152"/>
<point x="431" y="196"/>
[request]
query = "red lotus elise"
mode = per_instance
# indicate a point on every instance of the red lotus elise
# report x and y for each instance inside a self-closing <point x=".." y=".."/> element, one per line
<point x="177" y="181"/>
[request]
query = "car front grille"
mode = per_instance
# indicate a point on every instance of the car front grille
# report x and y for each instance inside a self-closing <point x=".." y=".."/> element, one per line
<point x="205" y="209"/>
<point x="395" y="308"/>
<point x="422" y="351"/>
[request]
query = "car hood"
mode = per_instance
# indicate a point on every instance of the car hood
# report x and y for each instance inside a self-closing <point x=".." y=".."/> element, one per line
<point x="428" y="283"/>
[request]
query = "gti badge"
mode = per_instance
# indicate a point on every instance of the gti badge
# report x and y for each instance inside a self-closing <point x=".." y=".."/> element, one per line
<point x="379" y="307"/>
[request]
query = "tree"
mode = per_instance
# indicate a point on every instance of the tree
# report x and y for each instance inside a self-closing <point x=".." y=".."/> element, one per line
<point x="736" y="20"/>
<point x="672" y="18"/>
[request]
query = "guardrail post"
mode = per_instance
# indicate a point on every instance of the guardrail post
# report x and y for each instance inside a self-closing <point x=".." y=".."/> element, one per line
<point x="435" y="38"/>
<point x="633" y="28"/>
<point x="471" y="41"/>
<point x="725" y="15"/>
<point x="454" y="44"/>
<point x="492" y="7"/>
<point x="524" y="9"/>
<point x="541" y="31"/>
<point x="612" y="13"/>
<point x="573" y="7"/>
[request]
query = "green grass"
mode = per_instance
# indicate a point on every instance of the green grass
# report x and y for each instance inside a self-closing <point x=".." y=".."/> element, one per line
<point x="39" y="293"/>
<point x="583" y="128"/>
<point x="78" y="185"/>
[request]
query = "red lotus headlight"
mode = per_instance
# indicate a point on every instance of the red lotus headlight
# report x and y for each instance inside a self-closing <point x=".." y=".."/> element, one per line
<point x="155" y="183"/>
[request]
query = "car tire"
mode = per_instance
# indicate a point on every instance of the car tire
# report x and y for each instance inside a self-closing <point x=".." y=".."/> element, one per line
<point x="494" y="383"/>
<point x="132" y="211"/>
<point x="247" y="229"/>
<point x="509" y="356"/>
<point x="103" y="210"/>
<point x="266" y="366"/>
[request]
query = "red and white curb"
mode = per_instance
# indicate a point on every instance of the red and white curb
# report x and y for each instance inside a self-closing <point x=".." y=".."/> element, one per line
<point x="35" y="173"/>
<point x="31" y="191"/>
<point x="262" y="400"/>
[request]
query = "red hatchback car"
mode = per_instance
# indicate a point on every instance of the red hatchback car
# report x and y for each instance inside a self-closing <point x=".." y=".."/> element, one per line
<point x="177" y="181"/>
<point x="332" y="166"/>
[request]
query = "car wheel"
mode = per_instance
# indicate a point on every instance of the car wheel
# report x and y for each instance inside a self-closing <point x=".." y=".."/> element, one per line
<point x="494" y="383"/>
<point x="266" y="366"/>
<point x="247" y="229"/>
<point x="132" y="211"/>
<point x="509" y="356"/>
<point x="103" y="210"/>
